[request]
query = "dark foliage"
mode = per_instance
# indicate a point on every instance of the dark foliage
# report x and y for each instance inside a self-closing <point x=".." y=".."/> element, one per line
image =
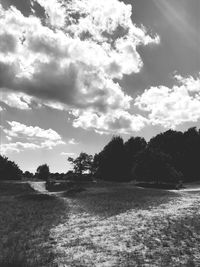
<point x="132" y="147"/>
<point x="9" y="170"/>
<point x="43" y="172"/>
<point x="155" y="166"/>
<point x="168" y="157"/>
<point x="112" y="163"/>
<point x="82" y="164"/>
<point x="171" y="143"/>
<point x="184" y="149"/>
<point x="28" y="175"/>
<point x="191" y="158"/>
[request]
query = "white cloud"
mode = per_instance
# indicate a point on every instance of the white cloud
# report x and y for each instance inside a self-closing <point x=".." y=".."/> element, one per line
<point x="73" y="142"/>
<point x="17" y="147"/>
<point x="55" y="12"/>
<point x="72" y="60"/>
<point x="21" y="130"/>
<point x="119" y="121"/>
<point x="190" y="83"/>
<point x="67" y="154"/>
<point x="16" y="100"/>
<point x="170" y="107"/>
<point x="29" y="137"/>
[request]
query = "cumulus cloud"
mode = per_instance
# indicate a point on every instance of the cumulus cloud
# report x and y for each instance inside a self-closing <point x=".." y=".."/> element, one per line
<point x="16" y="100"/>
<point x="73" y="142"/>
<point x="119" y="121"/>
<point x="29" y="137"/>
<point x="72" y="60"/>
<point x="17" y="147"/>
<point x="68" y="154"/>
<point x="55" y="12"/>
<point x="170" y="107"/>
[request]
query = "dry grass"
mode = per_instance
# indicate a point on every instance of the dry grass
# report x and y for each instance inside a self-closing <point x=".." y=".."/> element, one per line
<point x="104" y="226"/>
<point x="25" y="221"/>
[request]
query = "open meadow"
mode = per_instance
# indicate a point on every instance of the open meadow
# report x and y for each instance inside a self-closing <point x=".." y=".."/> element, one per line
<point x="105" y="225"/>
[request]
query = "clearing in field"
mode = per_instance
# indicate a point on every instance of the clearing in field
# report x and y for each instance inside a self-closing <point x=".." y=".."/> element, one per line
<point x="105" y="225"/>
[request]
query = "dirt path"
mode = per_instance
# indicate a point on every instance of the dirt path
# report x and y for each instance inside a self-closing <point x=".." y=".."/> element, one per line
<point x="39" y="186"/>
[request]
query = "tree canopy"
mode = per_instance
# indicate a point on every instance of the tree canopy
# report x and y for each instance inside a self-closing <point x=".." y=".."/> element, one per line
<point x="155" y="166"/>
<point x="42" y="172"/>
<point x="82" y="164"/>
<point x="112" y="164"/>
<point x="9" y="170"/>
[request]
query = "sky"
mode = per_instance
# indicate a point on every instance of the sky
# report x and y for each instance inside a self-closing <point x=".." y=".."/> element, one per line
<point x="73" y="73"/>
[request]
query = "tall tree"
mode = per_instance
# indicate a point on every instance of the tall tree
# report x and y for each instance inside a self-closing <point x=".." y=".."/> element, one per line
<point x="191" y="164"/>
<point x="82" y="164"/>
<point x="132" y="147"/>
<point x="112" y="161"/>
<point x="43" y="172"/>
<point x="171" y="143"/>
<point x="155" y="166"/>
<point x="9" y="170"/>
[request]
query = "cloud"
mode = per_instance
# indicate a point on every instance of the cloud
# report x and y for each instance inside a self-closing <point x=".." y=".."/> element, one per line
<point x="73" y="142"/>
<point x="71" y="58"/>
<point x="16" y="100"/>
<point x="55" y="12"/>
<point x="29" y="137"/>
<point x="120" y="121"/>
<point x="67" y="154"/>
<point x="17" y="147"/>
<point x="170" y="107"/>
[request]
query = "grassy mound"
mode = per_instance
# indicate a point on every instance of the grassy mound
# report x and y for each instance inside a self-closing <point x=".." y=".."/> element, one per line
<point x="15" y="188"/>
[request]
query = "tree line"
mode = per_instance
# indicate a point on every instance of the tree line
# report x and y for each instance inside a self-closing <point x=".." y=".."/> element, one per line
<point x="169" y="157"/>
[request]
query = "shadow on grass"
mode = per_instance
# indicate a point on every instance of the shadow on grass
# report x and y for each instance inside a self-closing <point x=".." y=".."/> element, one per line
<point x="36" y="197"/>
<point x="26" y="221"/>
<point x="112" y="201"/>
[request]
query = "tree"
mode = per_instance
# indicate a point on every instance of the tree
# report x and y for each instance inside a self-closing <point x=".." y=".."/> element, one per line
<point x="9" y="170"/>
<point x="191" y="163"/>
<point x="171" y="143"/>
<point x="132" y="147"/>
<point x="82" y="164"/>
<point x="155" y="166"/>
<point x="112" y="164"/>
<point x="95" y="165"/>
<point x="28" y="174"/>
<point x="184" y="149"/>
<point x="43" y="172"/>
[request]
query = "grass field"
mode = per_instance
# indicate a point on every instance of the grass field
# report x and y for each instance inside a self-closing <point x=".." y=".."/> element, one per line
<point x="106" y="225"/>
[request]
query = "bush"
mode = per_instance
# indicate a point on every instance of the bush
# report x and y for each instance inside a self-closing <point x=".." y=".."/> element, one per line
<point x="155" y="167"/>
<point x="9" y="170"/>
<point x="43" y="172"/>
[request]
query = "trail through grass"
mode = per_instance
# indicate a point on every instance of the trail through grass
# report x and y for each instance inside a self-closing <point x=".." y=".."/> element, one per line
<point x="127" y="226"/>
<point x="106" y="225"/>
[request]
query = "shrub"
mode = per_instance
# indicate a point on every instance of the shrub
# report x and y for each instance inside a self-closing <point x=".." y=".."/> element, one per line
<point x="9" y="170"/>
<point x="155" y="166"/>
<point x="43" y="172"/>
